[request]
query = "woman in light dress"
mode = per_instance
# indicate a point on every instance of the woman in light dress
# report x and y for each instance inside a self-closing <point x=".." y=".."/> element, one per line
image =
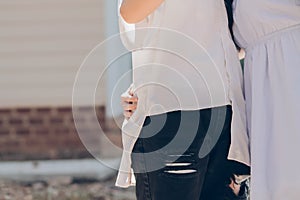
<point x="269" y="31"/>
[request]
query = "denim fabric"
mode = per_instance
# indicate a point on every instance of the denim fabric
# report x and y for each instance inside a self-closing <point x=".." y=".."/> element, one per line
<point x="207" y="178"/>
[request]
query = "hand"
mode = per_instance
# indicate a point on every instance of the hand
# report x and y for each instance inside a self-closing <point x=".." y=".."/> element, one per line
<point x="235" y="187"/>
<point x="129" y="103"/>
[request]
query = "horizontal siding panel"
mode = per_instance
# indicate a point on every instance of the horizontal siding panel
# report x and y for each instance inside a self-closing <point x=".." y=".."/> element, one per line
<point x="50" y="8"/>
<point x="43" y="44"/>
<point x="51" y="98"/>
<point x="40" y="77"/>
<point x="62" y="30"/>
<point x="48" y="46"/>
<point x="57" y="53"/>
<point x="50" y="14"/>
<point x="46" y="64"/>
<point x="49" y="22"/>
<point x="42" y="61"/>
<point x="46" y="68"/>
<point x="96" y="36"/>
<point x="48" y="95"/>
<point x="45" y="88"/>
<point x="48" y="3"/>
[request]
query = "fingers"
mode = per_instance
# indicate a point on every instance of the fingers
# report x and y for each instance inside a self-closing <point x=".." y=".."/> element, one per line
<point x="130" y="91"/>
<point x="129" y="99"/>
<point x="128" y="113"/>
<point x="235" y="187"/>
<point x="129" y="104"/>
<point x="129" y="109"/>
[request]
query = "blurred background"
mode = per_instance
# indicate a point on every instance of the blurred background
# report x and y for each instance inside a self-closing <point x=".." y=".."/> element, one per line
<point x="42" y="46"/>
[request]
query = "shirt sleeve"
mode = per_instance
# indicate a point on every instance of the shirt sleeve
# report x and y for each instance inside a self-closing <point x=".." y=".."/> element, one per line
<point x="141" y="34"/>
<point x="127" y="31"/>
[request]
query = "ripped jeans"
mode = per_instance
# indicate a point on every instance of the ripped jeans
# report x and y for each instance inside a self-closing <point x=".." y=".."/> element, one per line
<point x="166" y="159"/>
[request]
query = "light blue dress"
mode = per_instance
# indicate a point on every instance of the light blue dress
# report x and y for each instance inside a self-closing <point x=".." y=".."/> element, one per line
<point x="269" y="30"/>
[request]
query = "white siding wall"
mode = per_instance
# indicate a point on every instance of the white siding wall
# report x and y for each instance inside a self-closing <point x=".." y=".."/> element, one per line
<point x="42" y="44"/>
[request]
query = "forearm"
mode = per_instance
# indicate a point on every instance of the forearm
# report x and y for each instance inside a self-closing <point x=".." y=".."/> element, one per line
<point x="134" y="11"/>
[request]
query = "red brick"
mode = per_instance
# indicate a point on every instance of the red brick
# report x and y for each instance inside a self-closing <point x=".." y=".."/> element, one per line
<point x="83" y="154"/>
<point x="4" y="132"/>
<point x="103" y="125"/>
<point x="101" y="109"/>
<point x="85" y="109"/>
<point x="5" y="111"/>
<point x="36" y="121"/>
<point x="72" y="143"/>
<point x="101" y="116"/>
<point x="52" y="143"/>
<point x="78" y="120"/>
<point x="11" y="143"/>
<point x="43" y="110"/>
<point x="15" y="121"/>
<point x="60" y="131"/>
<point x="72" y="136"/>
<point x="64" y="110"/>
<point x="23" y="110"/>
<point x="56" y="120"/>
<point x="23" y="131"/>
<point x="42" y="131"/>
<point x="33" y="143"/>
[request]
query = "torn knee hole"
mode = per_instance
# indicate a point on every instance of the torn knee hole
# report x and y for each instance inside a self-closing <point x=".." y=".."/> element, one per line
<point x="183" y="165"/>
<point x="182" y="155"/>
<point x="178" y="164"/>
<point x="185" y="171"/>
<point x="179" y="168"/>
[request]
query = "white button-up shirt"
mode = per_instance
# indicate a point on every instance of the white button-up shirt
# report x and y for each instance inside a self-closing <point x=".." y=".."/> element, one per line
<point x="183" y="59"/>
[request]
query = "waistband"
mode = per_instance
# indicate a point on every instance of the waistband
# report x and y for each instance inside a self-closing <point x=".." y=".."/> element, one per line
<point x="269" y="36"/>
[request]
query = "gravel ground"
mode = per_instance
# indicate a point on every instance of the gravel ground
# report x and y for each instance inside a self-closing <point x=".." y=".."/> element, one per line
<point x="64" y="188"/>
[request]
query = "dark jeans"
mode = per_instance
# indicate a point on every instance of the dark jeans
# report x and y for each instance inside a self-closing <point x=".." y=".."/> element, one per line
<point x="166" y="158"/>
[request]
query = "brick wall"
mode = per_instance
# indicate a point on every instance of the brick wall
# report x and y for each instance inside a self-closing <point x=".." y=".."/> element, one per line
<point x="48" y="133"/>
<point x="43" y="44"/>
